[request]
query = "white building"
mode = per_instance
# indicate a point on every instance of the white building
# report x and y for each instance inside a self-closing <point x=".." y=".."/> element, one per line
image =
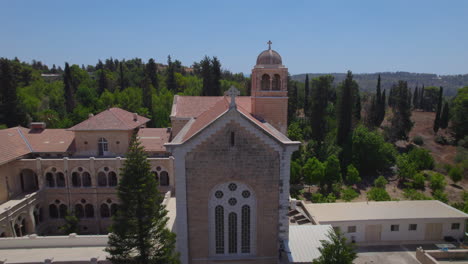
<point x="391" y="222"/>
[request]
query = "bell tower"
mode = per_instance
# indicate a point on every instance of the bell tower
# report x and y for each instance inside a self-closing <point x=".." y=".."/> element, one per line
<point x="270" y="89"/>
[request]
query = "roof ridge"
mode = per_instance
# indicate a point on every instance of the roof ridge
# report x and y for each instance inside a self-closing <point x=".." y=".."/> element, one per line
<point x="24" y="139"/>
<point x="116" y="116"/>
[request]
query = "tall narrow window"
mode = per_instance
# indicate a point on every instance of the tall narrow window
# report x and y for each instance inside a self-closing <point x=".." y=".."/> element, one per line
<point x="76" y="179"/>
<point x="276" y="83"/>
<point x="233" y="138"/>
<point x="79" y="212"/>
<point x="219" y="229"/>
<point x="164" y="178"/>
<point x="102" y="179"/>
<point x="232" y="223"/>
<point x="60" y="179"/>
<point x="86" y="179"/>
<point x="102" y="146"/>
<point x="265" y="82"/>
<point x="112" y="178"/>
<point x="245" y="246"/>
<point x="50" y="179"/>
<point x="89" y="211"/>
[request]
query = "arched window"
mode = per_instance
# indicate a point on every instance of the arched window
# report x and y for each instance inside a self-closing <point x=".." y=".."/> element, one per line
<point x="89" y="211"/>
<point x="102" y="179"/>
<point x="63" y="210"/>
<point x="76" y="179"/>
<point x="276" y="83"/>
<point x="79" y="211"/>
<point x="50" y="179"/>
<point x="102" y="146"/>
<point x="164" y="178"/>
<point x="219" y="229"/>
<point x="265" y="82"/>
<point x="232" y="219"/>
<point x="232" y="233"/>
<point x="105" y="211"/>
<point x="245" y="225"/>
<point x="112" y="178"/>
<point x="60" y="179"/>
<point x="53" y="212"/>
<point x="86" y="179"/>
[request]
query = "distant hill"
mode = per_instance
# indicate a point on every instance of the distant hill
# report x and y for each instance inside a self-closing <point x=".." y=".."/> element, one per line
<point x="368" y="81"/>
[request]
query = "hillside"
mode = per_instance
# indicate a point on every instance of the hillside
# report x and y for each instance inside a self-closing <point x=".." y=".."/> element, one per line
<point x="368" y="81"/>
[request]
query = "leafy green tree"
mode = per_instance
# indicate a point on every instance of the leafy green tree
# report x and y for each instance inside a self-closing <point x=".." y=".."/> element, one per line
<point x="332" y="171"/>
<point x="401" y="123"/>
<point x="335" y="250"/>
<point x="295" y="131"/>
<point x="438" y="113"/>
<point x="71" y="223"/>
<point x="352" y="175"/>
<point x="445" y="116"/>
<point x="296" y="172"/>
<point x="378" y="194"/>
<point x="419" y="181"/>
<point x="437" y="182"/>
<point x="421" y="158"/>
<point x="313" y="171"/>
<point x="139" y="232"/>
<point x="380" y="182"/>
<point x="460" y="118"/>
<point x="406" y="168"/>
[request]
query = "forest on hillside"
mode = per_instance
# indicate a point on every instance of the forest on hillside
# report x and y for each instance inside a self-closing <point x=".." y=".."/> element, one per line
<point x="366" y="81"/>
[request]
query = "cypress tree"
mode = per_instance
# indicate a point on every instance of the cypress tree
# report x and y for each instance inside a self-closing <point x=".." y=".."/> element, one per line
<point x="103" y="83"/>
<point x="152" y="73"/>
<point x="205" y="65"/>
<point x="147" y="94"/>
<point x="345" y="112"/>
<point x="415" y="98"/>
<point x="69" y="91"/>
<point x="382" y="109"/>
<point x="306" y="96"/>
<point x="292" y="102"/>
<point x="439" y="109"/>
<point x="445" y="116"/>
<point x="401" y="122"/>
<point x="170" y="77"/>
<point x="139" y="232"/>
<point x="378" y="93"/>
<point x="216" y="77"/>
<point x="421" y="99"/>
<point x="121" y="73"/>
<point x="319" y="102"/>
<point x="357" y="103"/>
<point x="10" y="112"/>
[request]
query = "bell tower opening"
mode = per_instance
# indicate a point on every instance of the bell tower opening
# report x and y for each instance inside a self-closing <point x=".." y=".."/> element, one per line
<point x="269" y="89"/>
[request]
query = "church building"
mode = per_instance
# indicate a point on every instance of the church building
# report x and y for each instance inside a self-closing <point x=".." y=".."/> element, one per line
<point x="225" y="160"/>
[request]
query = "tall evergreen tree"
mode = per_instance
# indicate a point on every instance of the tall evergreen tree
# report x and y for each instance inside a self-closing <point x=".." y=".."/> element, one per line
<point x="152" y="73"/>
<point x="401" y="122"/>
<point x="416" y="98"/>
<point x="139" y="233"/>
<point x="345" y="110"/>
<point x="103" y="82"/>
<point x="170" y="76"/>
<point x="445" y="116"/>
<point x="306" y="96"/>
<point x="357" y="103"/>
<point x="421" y="99"/>
<point x="378" y="93"/>
<point x="439" y="109"/>
<point x="383" y="104"/>
<point x="121" y="76"/>
<point x="69" y="89"/>
<point x="292" y="102"/>
<point x="10" y="112"/>
<point x="147" y="94"/>
<point x="319" y="102"/>
<point x="216" y="77"/>
<point x="205" y="65"/>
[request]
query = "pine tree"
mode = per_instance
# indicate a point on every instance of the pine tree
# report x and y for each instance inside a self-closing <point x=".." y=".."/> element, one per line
<point x="345" y="107"/>
<point x="445" y="116"/>
<point x="439" y="109"/>
<point x="306" y="96"/>
<point x="139" y="233"/>
<point x="216" y="77"/>
<point x="69" y="90"/>
<point x="170" y="76"/>
<point x="152" y="74"/>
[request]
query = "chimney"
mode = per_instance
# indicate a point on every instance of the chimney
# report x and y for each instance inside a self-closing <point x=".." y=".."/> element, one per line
<point x="37" y="126"/>
<point x="135" y="117"/>
<point x="90" y="115"/>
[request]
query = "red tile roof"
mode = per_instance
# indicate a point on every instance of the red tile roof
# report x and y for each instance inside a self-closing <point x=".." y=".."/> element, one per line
<point x="153" y="139"/>
<point x="111" y="119"/>
<point x="50" y="140"/>
<point x="12" y="144"/>
<point x="193" y="106"/>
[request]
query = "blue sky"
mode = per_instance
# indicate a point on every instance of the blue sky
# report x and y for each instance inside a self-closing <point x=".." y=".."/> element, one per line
<point x="312" y="36"/>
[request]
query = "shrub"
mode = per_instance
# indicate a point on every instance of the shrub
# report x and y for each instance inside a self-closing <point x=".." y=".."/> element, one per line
<point x="296" y="176"/>
<point x="352" y="175"/>
<point x="406" y="169"/>
<point x="456" y="174"/>
<point x="295" y="131"/>
<point x="331" y="198"/>
<point x="421" y="158"/>
<point x="419" y="181"/>
<point x="378" y="194"/>
<point x="380" y="182"/>
<point x="418" y="140"/>
<point x="437" y="182"/>
<point x="317" y="198"/>
<point x="440" y="195"/>
<point x="349" y="194"/>
<point x="441" y="140"/>
<point x="412" y="194"/>
<point x="370" y="151"/>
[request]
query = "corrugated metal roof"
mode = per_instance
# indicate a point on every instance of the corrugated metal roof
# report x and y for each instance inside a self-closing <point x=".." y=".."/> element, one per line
<point x="391" y="210"/>
<point x="305" y="241"/>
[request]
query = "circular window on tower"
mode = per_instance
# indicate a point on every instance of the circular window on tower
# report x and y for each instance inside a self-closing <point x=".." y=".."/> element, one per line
<point x="246" y="194"/>
<point x="232" y="187"/>
<point x="232" y="201"/>
<point x="219" y="194"/>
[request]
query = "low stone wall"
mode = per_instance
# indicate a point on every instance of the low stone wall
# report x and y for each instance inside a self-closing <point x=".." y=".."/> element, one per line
<point x="73" y="240"/>
<point x="431" y="256"/>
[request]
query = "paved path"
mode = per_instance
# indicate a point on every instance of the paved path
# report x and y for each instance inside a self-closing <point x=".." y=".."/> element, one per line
<point x="385" y="254"/>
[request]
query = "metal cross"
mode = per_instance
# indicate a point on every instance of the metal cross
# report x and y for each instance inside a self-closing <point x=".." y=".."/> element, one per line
<point x="233" y="92"/>
<point x="269" y="44"/>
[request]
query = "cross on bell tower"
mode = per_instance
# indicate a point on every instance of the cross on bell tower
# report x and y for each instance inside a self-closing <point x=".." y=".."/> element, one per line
<point x="269" y="44"/>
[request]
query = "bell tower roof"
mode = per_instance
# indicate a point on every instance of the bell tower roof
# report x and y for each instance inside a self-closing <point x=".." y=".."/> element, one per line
<point x="269" y="57"/>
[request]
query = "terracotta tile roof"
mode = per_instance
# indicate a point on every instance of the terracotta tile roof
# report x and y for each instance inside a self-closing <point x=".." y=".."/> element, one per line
<point x="193" y="106"/>
<point x="12" y="144"/>
<point x="217" y="110"/>
<point x="50" y="140"/>
<point x="153" y="139"/>
<point x="111" y="119"/>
